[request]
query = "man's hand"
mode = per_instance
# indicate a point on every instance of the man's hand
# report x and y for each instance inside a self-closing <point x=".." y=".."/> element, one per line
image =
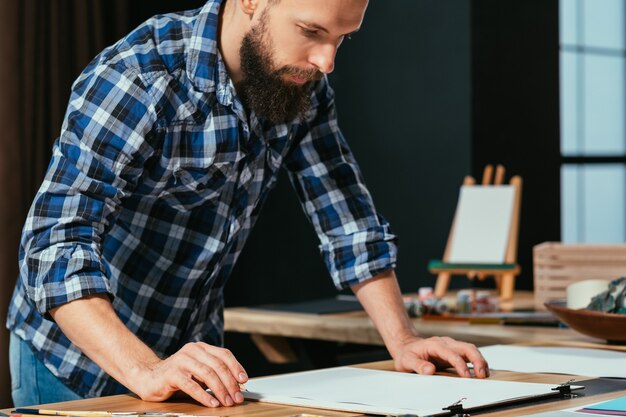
<point x="425" y="356"/>
<point x="382" y="300"/>
<point x="92" y="325"/>
<point x="193" y="369"/>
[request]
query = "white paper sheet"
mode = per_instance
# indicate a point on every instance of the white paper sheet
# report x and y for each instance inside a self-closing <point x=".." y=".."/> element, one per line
<point x="385" y="392"/>
<point x="482" y="224"/>
<point x="558" y="360"/>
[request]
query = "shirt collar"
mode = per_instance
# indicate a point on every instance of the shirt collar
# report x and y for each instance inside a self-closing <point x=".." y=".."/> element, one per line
<point x="203" y="51"/>
<point x="204" y="63"/>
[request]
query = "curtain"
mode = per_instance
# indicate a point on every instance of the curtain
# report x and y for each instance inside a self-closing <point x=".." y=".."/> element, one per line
<point x="44" y="45"/>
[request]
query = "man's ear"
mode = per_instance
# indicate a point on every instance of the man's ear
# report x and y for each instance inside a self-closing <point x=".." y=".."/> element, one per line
<point x="249" y="7"/>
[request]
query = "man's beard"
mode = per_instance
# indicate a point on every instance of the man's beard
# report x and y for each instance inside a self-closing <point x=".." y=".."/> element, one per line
<point x="263" y="89"/>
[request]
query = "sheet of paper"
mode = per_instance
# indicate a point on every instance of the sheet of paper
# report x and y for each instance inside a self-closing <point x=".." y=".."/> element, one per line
<point x="385" y="392"/>
<point x="558" y="360"/>
<point x="482" y="223"/>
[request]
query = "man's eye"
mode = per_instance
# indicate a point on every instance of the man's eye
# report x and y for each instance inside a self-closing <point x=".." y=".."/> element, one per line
<point x="309" y="32"/>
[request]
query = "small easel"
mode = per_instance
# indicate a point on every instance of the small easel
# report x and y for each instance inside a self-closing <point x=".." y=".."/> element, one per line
<point x="504" y="273"/>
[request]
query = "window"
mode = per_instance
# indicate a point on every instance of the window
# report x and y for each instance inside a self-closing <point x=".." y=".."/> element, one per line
<point x="593" y="120"/>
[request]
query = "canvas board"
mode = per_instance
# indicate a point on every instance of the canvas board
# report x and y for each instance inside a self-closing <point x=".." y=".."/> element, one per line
<point x="558" y="360"/>
<point x="385" y="392"/>
<point x="482" y="224"/>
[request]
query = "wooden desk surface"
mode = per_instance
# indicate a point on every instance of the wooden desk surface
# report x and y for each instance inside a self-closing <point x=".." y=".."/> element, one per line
<point x="130" y="403"/>
<point x="356" y="327"/>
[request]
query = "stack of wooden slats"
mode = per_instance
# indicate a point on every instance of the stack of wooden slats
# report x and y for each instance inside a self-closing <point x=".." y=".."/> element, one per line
<point x="557" y="265"/>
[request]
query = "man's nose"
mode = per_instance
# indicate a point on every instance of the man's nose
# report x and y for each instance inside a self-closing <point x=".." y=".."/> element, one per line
<point x="323" y="57"/>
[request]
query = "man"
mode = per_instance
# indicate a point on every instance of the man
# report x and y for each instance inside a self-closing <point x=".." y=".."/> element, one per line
<point x="171" y="141"/>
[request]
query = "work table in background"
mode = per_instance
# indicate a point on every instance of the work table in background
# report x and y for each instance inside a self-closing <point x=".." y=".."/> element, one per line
<point x="269" y="329"/>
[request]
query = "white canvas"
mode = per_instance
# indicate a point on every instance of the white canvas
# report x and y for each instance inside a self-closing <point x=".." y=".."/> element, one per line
<point x="385" y="392"/>
<point x="559" y="360"/>
<point x="482" y="224"/>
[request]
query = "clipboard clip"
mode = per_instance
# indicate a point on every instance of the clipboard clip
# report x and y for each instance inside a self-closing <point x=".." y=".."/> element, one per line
<point x="565" y="389"/>
<point x="456" y="409"/>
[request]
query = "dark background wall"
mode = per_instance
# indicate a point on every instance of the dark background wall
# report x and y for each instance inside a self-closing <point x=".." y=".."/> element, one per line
<point x="515" y="109"/>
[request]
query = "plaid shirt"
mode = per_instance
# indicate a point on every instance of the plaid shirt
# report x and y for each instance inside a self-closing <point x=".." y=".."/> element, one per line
<point x="154" y="184"/>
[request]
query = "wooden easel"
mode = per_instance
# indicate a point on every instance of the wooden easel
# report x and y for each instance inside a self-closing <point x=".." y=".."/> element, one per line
<point x="504" y="274"/>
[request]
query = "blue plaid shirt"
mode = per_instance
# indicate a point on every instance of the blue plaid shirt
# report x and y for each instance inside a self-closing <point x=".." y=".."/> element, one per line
<point x="154" y="184"/>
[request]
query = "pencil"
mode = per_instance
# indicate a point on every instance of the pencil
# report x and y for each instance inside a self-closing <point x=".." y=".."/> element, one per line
<point x="65" y="414"/>
<point x="71" y="413"/>
<point x="28" y="412"/>
<point x="37" y="411"/>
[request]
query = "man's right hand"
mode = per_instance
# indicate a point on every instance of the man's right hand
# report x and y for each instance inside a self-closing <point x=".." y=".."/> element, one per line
<point x="192" y="369"/>
<point x="92" y="325"/>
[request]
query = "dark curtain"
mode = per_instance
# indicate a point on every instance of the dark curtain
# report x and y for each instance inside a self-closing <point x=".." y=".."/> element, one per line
<point x="44" y="45"/>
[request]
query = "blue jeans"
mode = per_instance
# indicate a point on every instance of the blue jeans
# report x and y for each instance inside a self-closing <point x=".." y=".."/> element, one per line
<point x="31" y="382"/>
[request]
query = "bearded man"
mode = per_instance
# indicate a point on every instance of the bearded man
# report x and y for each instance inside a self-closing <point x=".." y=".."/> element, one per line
<point x="171" y="142"/>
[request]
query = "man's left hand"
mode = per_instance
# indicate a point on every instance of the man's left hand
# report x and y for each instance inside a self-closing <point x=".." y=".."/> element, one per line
<point x="425" y="356"/>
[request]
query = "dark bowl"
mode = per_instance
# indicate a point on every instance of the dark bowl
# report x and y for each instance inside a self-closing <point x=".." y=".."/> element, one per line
<point x="608" y="326"/>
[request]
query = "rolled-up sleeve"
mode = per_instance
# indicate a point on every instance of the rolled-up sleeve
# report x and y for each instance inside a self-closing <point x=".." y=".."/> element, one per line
<point x="98" y="158"/>
<point x="356" y="242"/>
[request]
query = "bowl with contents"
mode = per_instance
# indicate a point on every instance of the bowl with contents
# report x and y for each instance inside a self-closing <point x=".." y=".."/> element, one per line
<point x="604" y="317"/>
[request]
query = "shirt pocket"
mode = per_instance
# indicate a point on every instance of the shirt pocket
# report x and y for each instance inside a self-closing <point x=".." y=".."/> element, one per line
<point x="193" y="185"/>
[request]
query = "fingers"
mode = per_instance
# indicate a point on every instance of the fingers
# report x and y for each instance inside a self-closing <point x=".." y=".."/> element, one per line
<point x="212" y="376"/>
<point x="449" y="354"/>
<point x="461" y="353"/>
<point x="218" y="369"/>
<point x="230" y="367"/>
<point x="229" y="359"/>
<point x="194" y="368"/>
<point x="473" y="355"/>
<point x="195" y="391"/>
<point x="216" y="375"/>
<point x="417" y="365"/>
<point x="424" y="355"/>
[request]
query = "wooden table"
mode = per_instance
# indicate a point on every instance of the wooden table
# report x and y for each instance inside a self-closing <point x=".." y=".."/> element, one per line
<point x="269" y="330"/>
<point x="131" y="403"/>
